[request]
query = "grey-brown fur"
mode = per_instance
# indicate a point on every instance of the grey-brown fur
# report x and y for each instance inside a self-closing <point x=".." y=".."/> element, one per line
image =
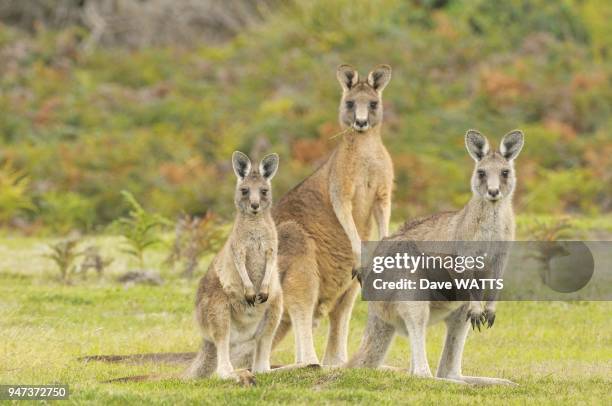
<point x="487" y="217"/>
<point x="239" y="300"/>
<point x="322" y="221"/>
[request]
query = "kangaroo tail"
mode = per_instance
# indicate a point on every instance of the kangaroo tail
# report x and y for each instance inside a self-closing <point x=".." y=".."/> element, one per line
<point x="282" y="330"/>
<point x="140" y="378"/>
<point x="161" y="357"/>
<point x="377" y="337"/>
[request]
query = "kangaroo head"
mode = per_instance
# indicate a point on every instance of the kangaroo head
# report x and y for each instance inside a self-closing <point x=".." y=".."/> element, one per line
<point x="494" y="177"/>
<point x="361" y="103"/>
<point x="253" y="189"/>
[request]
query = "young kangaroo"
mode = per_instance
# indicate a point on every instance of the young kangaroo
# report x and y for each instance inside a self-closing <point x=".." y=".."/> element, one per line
<point x="239" y="300"/>
<point x="322" y="221"/>
<point x="487" y="217"/>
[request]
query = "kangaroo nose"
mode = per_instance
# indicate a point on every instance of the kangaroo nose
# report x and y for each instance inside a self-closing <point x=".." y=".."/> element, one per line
<point x="254" y="206"/>
<point x="493" y="192"/>
<point x="361" y="123"/>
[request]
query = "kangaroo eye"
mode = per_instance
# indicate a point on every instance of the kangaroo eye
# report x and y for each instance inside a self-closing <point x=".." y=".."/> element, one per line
<point x="244" y="191"/>
<point x="350" y="104"/>
<point x="264" y="192"/>
<point x="482" y="174"/>
<point x="373" y="105"/>
<point x="505" y="173"/>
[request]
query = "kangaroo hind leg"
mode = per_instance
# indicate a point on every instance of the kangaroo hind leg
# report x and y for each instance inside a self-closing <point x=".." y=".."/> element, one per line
<point x="457" y="328"/>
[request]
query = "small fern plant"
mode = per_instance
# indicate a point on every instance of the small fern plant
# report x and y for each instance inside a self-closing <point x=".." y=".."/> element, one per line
<point x="140" y="229"/>
<point x="63" y="254"/>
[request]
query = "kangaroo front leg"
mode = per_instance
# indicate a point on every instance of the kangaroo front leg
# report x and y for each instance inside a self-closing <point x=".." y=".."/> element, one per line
<point x="264" y="289"/>
<point x="239" y="261"/>
<point x="497" y="271"/>
<point x="457" y="328"/>
<point x="382" y="213"/>
<point x="475" y="313"/>
<point x="345" y="217"/>
<point x="343" y="208"/>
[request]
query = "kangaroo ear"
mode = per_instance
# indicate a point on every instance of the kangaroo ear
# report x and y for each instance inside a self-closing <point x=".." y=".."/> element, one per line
<point x="511" y="144"/>
<point x="241" y="164"/>
<point x="379" y="77"/>
<point x="268" y="166"/>
<point x="347" y="76"/>
<point x="476" y="144"/>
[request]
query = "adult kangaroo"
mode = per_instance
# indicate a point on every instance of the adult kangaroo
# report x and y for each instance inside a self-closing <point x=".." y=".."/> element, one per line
<point x="322" y="221"/>
<point x="487" y="217"/>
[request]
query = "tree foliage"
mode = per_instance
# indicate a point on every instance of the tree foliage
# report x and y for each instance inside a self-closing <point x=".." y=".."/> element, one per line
<point x="162" y="121"/>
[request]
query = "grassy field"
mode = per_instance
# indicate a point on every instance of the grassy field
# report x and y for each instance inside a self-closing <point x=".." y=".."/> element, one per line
<point x="557" y="352"/>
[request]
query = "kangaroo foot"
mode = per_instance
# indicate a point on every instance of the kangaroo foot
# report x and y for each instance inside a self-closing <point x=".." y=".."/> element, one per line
<point x="243" y="377"/>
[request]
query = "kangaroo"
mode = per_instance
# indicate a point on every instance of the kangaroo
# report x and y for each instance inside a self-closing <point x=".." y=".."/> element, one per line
<point x="322" y="221"/>
<point x="488" y="216"/>
<point x="239" y="300"/>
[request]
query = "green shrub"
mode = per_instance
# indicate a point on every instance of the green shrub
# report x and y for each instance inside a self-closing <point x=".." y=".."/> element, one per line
<point x="64" y="254"/>
<point x="139" y="229"/>
<point x="162" y="122"/>
<point x="573" y="190"/>
<point x="14" y="192"/>
<point x="62" y="212"/>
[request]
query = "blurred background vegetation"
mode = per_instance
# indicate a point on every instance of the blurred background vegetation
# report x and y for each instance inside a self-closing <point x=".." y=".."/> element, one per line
<point x="151" y="97"/>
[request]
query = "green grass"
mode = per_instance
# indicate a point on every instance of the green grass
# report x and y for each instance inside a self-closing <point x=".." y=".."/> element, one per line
<point x="557" y="352"/>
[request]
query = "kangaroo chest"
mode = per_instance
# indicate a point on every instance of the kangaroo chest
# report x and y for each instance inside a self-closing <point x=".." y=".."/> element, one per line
<point x="486" y="225"/>
<point x="257" y="243"/>
<point x="495" y="228"/>
<point x="373" y="177"/>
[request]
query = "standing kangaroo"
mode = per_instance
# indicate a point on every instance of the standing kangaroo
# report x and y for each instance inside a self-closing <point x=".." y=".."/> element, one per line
<point x="487" y="217"/>
<point x="239" y="300"/>
<point x="322" y="221"/>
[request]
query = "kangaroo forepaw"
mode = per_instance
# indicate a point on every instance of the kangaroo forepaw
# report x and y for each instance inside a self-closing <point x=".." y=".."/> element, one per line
<point x="489" y="317"/>
<point x="357" y="274"/>
<point x="477" y="318"/>
<point x="250" y="298"/>
<point x="262" y="297"/>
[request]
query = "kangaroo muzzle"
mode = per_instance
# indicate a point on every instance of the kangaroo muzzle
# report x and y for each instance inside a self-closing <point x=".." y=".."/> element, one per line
<point x="361" y="122"/>
<point x="493" y="189"/>
<point x="254" y="205"/>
